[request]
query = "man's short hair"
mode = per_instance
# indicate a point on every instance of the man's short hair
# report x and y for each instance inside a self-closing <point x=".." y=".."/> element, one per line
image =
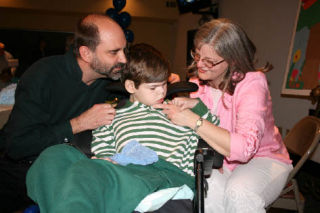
<point x="87" y="33"/>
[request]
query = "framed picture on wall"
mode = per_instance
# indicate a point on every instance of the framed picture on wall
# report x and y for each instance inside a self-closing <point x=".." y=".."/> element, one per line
<point x="303" y="67"/>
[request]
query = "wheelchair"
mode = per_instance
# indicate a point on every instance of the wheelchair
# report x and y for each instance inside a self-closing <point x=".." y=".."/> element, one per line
<point x="205" y="157"/>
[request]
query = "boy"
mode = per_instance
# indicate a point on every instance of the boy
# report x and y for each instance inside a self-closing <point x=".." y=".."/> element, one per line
<point x="146" y="81"/>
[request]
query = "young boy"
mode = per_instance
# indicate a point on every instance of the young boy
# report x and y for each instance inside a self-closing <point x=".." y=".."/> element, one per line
<point x="146" y="81"/>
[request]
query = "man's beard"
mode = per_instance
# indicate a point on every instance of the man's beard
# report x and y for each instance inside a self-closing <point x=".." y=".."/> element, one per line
<point x="106" y="70"/>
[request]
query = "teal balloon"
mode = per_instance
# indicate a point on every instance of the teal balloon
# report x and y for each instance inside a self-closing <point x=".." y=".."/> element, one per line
<point x="129" y="35"/>
<point x="112" y="13"/>
<point x="119" y="4"/>
<point x="124" y="19"/>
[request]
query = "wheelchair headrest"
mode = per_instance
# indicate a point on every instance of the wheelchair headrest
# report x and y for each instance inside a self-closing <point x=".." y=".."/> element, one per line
<point x="174" y="88"/>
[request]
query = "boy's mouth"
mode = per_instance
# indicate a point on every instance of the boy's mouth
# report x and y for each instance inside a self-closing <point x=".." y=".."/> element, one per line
<point x="160" y="101"/>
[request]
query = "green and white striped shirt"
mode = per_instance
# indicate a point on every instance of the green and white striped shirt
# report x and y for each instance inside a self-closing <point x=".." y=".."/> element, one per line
<point x="151" y="128"/>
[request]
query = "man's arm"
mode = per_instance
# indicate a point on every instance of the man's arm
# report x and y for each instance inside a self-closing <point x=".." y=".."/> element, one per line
<point x="39" y="120"/>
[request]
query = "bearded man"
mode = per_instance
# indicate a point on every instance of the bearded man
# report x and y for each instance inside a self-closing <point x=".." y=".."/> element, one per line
<point x="57" y="98"/>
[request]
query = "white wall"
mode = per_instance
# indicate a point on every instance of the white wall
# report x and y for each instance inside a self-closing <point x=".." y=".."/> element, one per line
<point x="185" y="23"/>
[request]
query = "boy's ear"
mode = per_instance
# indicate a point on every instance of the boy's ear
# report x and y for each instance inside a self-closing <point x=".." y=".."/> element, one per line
<point x="130" y="87"/>
<point x="85" y="53"/>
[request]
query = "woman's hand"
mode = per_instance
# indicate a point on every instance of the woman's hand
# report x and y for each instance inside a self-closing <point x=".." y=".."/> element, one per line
<point x="178" y="115"/>
<point x="185" y="103"/>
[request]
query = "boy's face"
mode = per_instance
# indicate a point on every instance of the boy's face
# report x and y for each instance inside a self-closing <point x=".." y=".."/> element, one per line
<point x="149" y="93"/>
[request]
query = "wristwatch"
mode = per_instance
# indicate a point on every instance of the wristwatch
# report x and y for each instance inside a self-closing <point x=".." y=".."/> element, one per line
<point x="198" y="124"/>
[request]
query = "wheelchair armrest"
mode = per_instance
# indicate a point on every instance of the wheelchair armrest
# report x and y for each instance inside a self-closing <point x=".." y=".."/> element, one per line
<point x="82" y="141"/>
<point x="212" y="158"/>
<point x="205" y="159"/>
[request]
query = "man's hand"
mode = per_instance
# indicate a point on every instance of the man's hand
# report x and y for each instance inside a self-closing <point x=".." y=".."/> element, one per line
<point x="98" y="115"/>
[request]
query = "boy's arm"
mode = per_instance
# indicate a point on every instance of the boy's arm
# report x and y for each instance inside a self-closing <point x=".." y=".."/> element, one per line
<point x="103" y="142"/>
<point x="202" y="110"/>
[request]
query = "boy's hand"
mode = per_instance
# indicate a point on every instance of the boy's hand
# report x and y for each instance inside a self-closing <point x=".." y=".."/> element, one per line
<point x="105" y="158"/>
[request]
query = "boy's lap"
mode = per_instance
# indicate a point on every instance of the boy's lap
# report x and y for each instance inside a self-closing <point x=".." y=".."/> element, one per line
<point x="70" y="173"/>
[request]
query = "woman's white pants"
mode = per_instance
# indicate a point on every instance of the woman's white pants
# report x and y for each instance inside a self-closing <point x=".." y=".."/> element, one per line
<point x="251" y="187"/>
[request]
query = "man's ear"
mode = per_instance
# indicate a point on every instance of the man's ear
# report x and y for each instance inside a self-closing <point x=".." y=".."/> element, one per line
<point x="130" y="87"/>
<point x="86" y="54"/>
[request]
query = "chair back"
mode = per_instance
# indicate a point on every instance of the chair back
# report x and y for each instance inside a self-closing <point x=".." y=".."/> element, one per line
<point x="302" y="140"/>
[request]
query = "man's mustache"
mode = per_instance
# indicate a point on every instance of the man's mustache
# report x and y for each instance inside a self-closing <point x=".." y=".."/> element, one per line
<point x="119" y="65"/>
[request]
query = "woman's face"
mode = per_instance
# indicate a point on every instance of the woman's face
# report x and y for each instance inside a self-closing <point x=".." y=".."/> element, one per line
<point x="211" y="66"/>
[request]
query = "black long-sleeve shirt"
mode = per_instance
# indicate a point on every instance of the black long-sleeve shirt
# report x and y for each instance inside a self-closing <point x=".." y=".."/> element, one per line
<point x="49" y="94"/>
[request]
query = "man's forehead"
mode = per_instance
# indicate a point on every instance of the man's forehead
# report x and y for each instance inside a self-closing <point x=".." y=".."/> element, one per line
<point x="113" y="43"/>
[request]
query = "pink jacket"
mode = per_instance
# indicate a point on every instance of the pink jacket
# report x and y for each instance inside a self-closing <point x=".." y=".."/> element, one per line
<point x="249" y="119"/>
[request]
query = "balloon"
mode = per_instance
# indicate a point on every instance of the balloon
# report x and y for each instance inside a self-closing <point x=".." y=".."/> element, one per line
<point x="32" y="209"/>
<point x="129" y="35"/>
<point x="119" y="4"/>
<point x="124" y="19"/>
<point x="112" y="13"/>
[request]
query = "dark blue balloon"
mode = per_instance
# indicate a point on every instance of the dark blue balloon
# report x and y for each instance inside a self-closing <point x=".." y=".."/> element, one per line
<point x="119" y="4"/>
<point x="129" y="35"/>
<point x="32" y="209"/>
<point x="112" y="13"/>
<point x="124" y="19"/>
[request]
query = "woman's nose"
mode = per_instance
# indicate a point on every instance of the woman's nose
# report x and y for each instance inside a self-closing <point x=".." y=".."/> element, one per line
<point x="200" y="64"/>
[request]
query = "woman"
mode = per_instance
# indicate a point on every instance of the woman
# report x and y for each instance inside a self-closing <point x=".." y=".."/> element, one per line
<point x="256" y="163"/>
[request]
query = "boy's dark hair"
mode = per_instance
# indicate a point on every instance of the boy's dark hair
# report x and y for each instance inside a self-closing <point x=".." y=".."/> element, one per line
<point x="145" y="65"/>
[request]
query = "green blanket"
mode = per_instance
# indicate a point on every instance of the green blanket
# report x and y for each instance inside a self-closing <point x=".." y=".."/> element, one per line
<point x="62" y="179"/>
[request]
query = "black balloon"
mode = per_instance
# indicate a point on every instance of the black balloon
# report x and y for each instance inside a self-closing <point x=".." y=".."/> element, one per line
<point x="119" y="4"/>
<point x="112" y="13"/>
<point x="129" y="35"/>
<point x="124" y="19"/>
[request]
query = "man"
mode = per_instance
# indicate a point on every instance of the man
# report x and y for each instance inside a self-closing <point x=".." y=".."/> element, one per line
<point x="58" y="97"/>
